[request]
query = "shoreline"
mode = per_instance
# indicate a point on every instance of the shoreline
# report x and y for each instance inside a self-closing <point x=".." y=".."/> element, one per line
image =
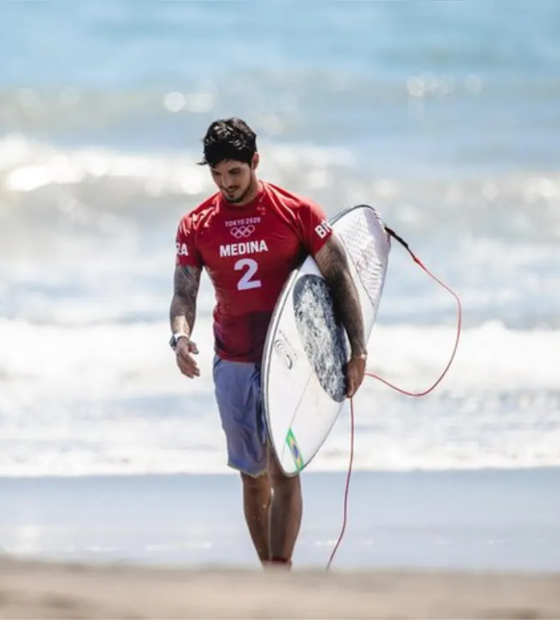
<point x="38" y="589"/>
<point x="227" y="473"/>
<point x="475" y="521"/>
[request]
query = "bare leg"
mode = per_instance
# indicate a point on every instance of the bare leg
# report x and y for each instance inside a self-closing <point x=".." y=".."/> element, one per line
<point x="285" y="511"/>
<point x="256" y="507"/>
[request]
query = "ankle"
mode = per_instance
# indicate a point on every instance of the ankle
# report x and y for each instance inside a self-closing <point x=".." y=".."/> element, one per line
<point x="277" y="562"/>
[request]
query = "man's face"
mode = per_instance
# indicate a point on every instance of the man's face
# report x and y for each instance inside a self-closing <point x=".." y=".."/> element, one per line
<point x="234" y="179"/>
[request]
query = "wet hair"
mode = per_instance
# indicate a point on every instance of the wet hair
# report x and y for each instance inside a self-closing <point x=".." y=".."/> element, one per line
<point x="229" y="139"/>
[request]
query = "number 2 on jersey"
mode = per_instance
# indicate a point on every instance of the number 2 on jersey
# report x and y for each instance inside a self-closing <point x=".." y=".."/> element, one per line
<point x="251" y="267"/>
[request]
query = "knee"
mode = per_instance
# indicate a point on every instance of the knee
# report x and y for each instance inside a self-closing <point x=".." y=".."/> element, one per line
<point x="284" y="484"/>
<point x="281" y="483"/>
<point x="255" y="485"/>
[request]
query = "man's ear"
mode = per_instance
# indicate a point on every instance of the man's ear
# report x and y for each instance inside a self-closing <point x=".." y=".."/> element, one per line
<point x="255" y="161"/>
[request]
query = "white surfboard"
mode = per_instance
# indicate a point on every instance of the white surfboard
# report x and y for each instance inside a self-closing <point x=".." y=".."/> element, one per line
<point x="303" y="378"/>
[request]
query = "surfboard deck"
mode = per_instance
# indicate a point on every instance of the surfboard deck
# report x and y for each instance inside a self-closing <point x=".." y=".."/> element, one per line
<point x="303" y="372"/>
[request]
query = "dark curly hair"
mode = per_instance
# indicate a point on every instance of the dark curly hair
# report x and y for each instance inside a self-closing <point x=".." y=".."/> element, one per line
<point x="229" y="139"/>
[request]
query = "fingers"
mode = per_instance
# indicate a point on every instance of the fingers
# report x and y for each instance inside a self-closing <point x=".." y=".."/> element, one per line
<point x="187" y="364"/>
<point x="354" y="376"/>
<point x="350" y="382"/>
<point x="353" y="386"/>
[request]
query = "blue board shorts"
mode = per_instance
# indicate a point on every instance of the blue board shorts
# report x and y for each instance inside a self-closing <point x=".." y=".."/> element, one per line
<point x="237" y="387"/>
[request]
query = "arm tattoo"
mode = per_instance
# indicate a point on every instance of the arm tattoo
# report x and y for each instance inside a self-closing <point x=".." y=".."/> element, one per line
<point x="333" y="265"/>
<point x="182" y="312"/>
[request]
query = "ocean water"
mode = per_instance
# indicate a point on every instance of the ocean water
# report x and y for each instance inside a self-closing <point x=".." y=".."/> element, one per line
<point x="500" y="520"/>
<point x="444" y="115"/>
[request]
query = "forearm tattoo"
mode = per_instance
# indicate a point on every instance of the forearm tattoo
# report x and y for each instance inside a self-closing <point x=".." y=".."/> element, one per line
<point x="333" y="264"/>
<point x="182" y="312"/>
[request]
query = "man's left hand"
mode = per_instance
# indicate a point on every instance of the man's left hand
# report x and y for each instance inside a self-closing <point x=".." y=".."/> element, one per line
<point x="355" y="370"/>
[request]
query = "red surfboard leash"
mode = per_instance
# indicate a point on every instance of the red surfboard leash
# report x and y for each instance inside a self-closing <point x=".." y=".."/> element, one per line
<point x="395" y="387"/>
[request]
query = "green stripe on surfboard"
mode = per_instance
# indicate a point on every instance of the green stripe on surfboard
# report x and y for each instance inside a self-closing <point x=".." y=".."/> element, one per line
<point x="294" y="449"/>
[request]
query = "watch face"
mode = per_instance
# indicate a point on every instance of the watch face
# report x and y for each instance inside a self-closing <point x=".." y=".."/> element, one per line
<point x="175" y="339"/>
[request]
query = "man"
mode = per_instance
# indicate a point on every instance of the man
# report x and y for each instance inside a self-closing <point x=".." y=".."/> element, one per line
<point x="249" y="236"/>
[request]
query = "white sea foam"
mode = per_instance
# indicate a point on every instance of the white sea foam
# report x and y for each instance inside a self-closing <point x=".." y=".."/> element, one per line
<point x="108" y="398"/>
<point x="89" y="383"/>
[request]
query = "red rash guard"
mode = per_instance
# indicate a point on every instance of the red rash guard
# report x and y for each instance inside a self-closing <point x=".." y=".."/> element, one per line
<point x="249" y="253"/>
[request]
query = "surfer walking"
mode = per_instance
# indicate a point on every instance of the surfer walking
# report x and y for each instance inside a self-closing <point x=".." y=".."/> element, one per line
<point x="249" y="236"/>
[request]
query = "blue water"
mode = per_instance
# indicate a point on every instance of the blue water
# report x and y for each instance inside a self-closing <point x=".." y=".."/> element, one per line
<point x="485" y="521"/>
<point x="445" y="115"/>
<point x="335" y="73"/>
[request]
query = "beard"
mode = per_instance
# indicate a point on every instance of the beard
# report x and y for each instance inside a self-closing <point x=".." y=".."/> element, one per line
<point x="235" y="199"/>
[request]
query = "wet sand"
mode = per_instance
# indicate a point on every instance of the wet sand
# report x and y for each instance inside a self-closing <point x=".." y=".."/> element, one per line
<point x="64" y="590"/>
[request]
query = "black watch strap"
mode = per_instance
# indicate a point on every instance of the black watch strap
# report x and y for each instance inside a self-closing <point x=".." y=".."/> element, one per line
<point x="175" y="339"/>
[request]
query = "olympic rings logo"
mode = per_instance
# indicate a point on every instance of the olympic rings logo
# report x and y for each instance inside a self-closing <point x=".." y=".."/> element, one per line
<point x="242" y="231"/>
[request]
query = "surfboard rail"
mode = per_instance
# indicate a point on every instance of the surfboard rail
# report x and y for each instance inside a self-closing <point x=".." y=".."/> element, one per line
<point x="306" y="349"/>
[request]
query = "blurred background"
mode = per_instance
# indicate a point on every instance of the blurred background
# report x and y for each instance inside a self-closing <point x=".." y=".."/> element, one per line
<point x="444" y="115"/>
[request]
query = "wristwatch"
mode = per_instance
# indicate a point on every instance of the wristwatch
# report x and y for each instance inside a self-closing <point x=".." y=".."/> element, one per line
<point x="175" y="339"/>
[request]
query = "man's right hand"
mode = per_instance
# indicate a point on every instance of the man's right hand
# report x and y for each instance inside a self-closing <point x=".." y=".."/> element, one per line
<point x="184" y="351"/>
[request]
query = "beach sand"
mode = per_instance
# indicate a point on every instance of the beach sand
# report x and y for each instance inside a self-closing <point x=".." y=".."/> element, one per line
<point x="418" y="545"/>
<point x="63" y="590"/>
